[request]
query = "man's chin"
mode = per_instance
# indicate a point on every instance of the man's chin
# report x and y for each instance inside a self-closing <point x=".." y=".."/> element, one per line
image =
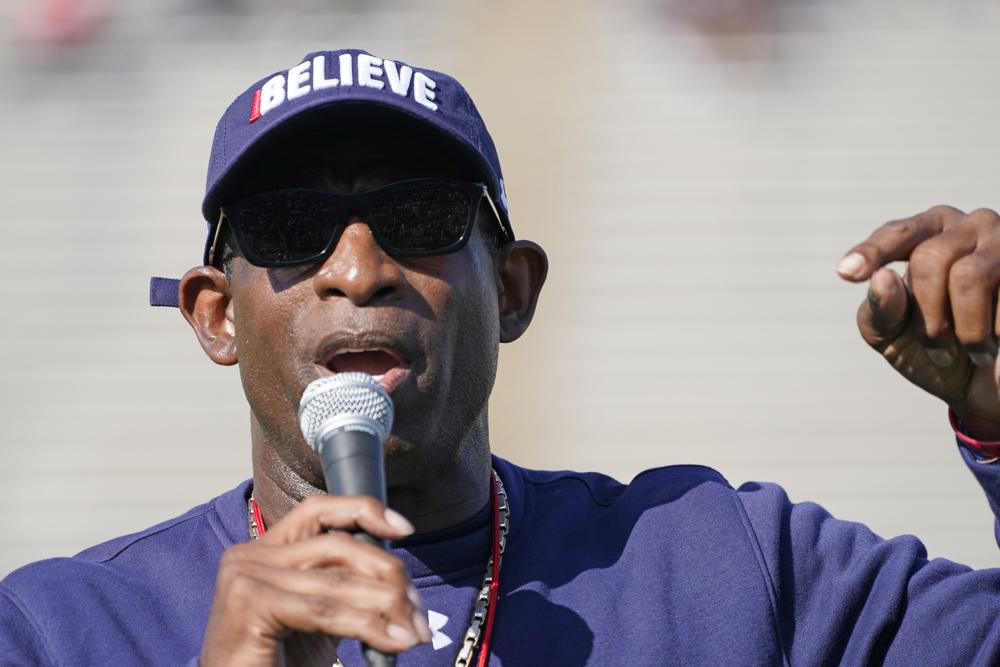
<point x="405" y="462"/>
<point x="397" y="450"/>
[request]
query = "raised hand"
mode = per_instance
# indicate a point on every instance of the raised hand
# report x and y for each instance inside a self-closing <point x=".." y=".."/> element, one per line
<point x="938" y="326"/>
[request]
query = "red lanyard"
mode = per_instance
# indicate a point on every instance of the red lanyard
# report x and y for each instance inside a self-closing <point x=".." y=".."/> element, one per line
<point x="491" y="609"/>
<point x="484" y="649"/>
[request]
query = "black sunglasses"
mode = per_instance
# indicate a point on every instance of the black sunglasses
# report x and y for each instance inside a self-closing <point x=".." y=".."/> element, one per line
<point x="415" y="218"/>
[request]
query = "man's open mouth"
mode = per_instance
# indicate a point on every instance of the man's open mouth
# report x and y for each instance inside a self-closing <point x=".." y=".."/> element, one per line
<point x="373" y="362"/>
<point x="384" y="365"/>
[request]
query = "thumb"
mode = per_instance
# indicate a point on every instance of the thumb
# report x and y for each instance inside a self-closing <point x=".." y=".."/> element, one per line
<point x="886" y="312"/>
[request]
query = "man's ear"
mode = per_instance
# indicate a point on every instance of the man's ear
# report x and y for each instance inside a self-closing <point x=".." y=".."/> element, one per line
<point x="206" y="304"/>
<point x="521" y="267"/>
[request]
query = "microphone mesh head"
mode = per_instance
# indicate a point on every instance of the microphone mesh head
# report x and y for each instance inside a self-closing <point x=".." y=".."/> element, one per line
<point x="341" y="397"/>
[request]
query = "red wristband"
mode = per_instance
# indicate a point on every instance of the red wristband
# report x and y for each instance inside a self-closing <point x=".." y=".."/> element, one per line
<point x="987" y="448"/>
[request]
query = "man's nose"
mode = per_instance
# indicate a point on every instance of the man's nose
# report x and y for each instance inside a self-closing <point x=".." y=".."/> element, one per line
<point x="359" y="269"/>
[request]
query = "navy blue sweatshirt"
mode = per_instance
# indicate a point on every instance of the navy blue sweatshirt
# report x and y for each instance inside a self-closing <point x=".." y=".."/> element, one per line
<point x="676" y="567"/>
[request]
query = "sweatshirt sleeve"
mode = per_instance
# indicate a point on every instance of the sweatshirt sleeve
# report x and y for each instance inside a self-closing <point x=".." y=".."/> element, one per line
<point x="20" y="642"/>
<point x="846" y="596"/>
<point x="988" y="476"/>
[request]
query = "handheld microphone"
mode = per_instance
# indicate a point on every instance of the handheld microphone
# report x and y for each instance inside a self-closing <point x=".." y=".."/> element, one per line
<point x="346" y="419"/>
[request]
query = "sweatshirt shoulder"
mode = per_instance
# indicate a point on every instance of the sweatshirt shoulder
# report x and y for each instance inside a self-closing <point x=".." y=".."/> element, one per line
<point x="165" y="546"/>
<point x="654" y="484"/>
<point x="108" y="604"/>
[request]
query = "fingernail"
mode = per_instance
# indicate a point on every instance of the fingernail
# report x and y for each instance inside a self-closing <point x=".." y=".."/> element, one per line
<point x="940" y="357"/>
<point x="414" y="597"/>
<point x="982" y="359"/>
<point x="400" y="634"/>
<point x="423" y="628"/>
<point x="851" y="265"/>
<point x="398" y="521"/>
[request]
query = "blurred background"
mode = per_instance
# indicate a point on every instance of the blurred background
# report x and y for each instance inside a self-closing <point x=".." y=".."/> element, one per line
<point x="694" y="168"/>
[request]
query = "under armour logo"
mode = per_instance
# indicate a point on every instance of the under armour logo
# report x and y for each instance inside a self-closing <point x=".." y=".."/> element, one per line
<point x="437" y="621"/>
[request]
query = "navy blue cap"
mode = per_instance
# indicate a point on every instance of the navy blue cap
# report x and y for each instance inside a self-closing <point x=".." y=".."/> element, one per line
<point x="325" y="81"/>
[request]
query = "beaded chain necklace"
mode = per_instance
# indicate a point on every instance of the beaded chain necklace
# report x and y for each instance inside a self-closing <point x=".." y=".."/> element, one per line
<point x="484" y="609"/>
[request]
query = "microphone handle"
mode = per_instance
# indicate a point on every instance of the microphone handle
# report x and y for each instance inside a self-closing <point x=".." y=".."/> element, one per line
<point x="374" y="657"/>
<point x="352" y="466"/>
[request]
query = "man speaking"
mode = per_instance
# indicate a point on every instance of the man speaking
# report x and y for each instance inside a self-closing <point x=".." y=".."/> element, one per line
<point x="357" y="223"/>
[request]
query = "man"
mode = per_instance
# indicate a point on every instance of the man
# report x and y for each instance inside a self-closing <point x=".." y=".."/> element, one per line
<point x="358" y="221"/>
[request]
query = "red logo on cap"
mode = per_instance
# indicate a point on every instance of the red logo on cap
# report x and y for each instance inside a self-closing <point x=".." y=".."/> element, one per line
<point x="255" y="106"/>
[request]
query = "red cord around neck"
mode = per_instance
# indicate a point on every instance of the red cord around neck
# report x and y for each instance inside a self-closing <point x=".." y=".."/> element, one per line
<point x="491" y="609"/>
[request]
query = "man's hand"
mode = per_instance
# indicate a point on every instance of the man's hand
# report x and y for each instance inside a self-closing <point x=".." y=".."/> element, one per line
<point x="306" y="587"/>
<point x="938" y="326"/>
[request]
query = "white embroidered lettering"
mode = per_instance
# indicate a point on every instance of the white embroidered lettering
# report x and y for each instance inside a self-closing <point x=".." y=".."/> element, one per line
<point x="272" y="93"/>
<point x="368" y="69"/>
<point x="346" y="73"/>
<point x="423" y="90"/>
<point x="399" y="79"/>
<point x="372" y="72"/>
<point x="319" y="74"/>
<point x="297" y="76"/>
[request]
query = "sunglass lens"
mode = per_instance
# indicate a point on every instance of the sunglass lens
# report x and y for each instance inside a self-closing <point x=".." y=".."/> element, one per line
<point x="422" y="220"/>
<point x="284" y="228"/>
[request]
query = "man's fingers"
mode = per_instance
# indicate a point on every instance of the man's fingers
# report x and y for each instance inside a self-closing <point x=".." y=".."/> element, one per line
<point x="320" y="513"/>
<point x="895" y="241"/>
<point x="397" y="604"/>
<point x="335" y="549"/>
<point x="930" y="272"/>
<point x="330" y="616"/>
<point x="886" y="311"/>
<point x="972" y="288"/>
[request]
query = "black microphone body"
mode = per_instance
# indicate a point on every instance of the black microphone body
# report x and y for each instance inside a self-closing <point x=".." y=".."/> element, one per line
<point x="353" y="466"/>
<point x="352" y="462"/>
<point x="346" y="419"/>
